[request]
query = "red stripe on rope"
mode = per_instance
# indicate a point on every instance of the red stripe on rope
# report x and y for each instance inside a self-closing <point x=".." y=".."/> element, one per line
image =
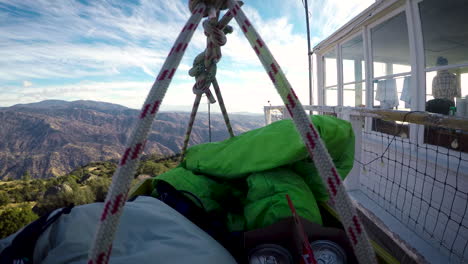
<point x="117" y="204"/>
<point x="105" y="211"/>
<point x="274" y="68"/>
<point x="260" y="44"/>
<point x="271" y="76"/>
<point x="125" y="157"/>
<point x="200" y="11"/>
<point x="234" y="11"/>
<point x="145" y="111"/>
<point x="289" y="110"/>
<point x="179" y="47"/>
<point x="311" y="141"/>
<point x="353" y="236"/>
<point x="171" y="74"/>
<point x="314" y="131"/>
<point x="155" y="107"/>
<point x="137" y="150"/>
<point x="172" y="50"/>
<point x="257" y="50"/>
<point x="247" y="22"/>
<point x="190" y="27"/>
<point x="291" y="101"/>
<point x="294" y="93"/>
<point x="244" y="29"/>
<point x="332" y="186"/>
<point x="335" y="174"/>
<point x="109" y="253"/>
<point x="185" y="27"/>
<point x="184" y="48"/>
<point x="100" y="259"/>
<point x="163" y="75"/>
<point x="357" y="224"/>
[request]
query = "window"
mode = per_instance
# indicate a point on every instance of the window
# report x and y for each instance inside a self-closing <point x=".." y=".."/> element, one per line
<point x="352" y="53"/>
<point x="391" y="64"/>
<point x="445" y="37"/>
<point x="391" y="72"/>
<point x="390" y="47"/>
<point x="445" y="31"/>
<point x="331" y="78"/>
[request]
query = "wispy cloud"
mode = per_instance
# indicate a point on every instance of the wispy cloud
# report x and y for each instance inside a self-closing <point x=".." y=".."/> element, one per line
<point x="44" y="42"/>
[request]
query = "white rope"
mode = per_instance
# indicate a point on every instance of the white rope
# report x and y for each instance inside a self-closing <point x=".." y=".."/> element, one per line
<point x="322" y="160"/>
<point x="102" y="245"/>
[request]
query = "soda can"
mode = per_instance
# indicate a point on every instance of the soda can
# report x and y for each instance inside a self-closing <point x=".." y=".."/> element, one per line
<point x="270" y="254"/>
<point x="328" y="252"/>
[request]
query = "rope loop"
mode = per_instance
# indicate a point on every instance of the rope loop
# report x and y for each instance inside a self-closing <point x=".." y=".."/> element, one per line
<point x="204" y="76"/>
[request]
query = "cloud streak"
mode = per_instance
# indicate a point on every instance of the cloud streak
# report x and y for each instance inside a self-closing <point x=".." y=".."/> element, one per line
<point x="112" y="50"/>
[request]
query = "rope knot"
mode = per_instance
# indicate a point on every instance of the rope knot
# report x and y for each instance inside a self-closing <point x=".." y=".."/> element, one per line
<point x="204" y="76"/>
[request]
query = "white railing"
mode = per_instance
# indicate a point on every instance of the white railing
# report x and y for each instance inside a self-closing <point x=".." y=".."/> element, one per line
<point x="402" y="179"/>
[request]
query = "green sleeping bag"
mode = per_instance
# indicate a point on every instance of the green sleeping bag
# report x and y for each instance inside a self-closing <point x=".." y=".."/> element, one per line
<point x="249" y="175"/>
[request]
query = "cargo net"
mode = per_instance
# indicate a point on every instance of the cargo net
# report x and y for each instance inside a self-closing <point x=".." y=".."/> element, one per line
<point x="424" y="186"/>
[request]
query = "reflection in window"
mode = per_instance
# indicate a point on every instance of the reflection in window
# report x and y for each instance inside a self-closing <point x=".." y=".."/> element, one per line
<point x="352" y="53"/>
<point x="390" y="47"/>
<point x="354" y="94"/>
<point x="331" y="73"/>
<point x="445" y="31"/>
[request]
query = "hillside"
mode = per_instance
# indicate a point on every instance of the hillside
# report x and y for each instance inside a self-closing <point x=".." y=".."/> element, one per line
<point x="53" y="137"/>
<point x="22" y="201"/>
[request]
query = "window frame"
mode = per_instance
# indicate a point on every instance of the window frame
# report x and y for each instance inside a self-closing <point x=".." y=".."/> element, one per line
<point x="340" y="47"/>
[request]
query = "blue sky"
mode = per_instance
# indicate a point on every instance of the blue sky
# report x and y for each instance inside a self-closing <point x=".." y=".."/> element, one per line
<point x="112" y="50"/>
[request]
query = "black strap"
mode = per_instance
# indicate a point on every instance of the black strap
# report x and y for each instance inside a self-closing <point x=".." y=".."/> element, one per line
<point x="21" y="249"/>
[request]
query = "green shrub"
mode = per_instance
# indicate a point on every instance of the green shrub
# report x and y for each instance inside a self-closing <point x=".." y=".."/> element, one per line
<point x="12" y="219"/>
<point x="4" y="199"/>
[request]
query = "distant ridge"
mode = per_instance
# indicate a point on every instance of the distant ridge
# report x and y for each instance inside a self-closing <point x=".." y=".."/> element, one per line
<point x="52" y="137"/>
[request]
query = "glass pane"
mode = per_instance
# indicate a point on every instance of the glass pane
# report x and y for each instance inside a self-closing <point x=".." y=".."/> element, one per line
<point x="393" y="93"/>
<point x="354" y="95"/>
<point x="390" y="46"/>
<point x="331" y="72"/>
<point x="331" y="96"/>
<point x="445" y="31"/>
<point x="353" y="60"/>
<point x="445" y="89"/>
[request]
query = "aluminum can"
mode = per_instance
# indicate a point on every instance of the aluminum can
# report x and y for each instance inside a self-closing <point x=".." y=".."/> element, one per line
<point x="270" y="254"/>
<point x="328" y="252"/>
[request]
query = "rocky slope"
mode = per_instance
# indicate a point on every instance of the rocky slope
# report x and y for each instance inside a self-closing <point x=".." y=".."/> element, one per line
<point x="51" y="138"/>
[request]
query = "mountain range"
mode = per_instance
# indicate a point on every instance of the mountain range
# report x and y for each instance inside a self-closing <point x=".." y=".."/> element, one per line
<point x="52" y="137"/>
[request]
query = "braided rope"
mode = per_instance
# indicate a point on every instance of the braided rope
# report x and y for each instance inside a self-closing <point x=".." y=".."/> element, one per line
<point x="193" y="114"/>
<point x="317" y="150"/>
<point x="102" y="245"/>
<point x="223" y="107"/>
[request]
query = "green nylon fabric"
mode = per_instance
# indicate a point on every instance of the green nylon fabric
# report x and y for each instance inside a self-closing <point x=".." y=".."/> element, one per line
<point x="249" y="175"/>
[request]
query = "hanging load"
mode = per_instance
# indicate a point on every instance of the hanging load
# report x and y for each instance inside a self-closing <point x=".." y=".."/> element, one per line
<point x="248" y="176"/>
<point x="240" y="183"/>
